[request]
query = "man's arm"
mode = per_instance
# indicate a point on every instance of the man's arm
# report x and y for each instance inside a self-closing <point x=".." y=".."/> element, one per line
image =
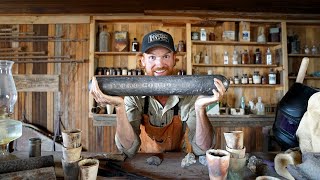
<point x="204" y="130"/>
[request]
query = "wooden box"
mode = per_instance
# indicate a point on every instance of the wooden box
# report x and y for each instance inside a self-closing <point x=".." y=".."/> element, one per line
<point x="244" y="31"/>
<point x="120" y="41"/>
<point x="229" y="31"/>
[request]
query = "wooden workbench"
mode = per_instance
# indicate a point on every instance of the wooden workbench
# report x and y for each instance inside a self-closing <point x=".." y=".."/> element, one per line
<point x="137" y="167"/>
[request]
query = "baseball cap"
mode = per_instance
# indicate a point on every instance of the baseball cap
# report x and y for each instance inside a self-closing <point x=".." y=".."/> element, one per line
<point x="157" y="38"/>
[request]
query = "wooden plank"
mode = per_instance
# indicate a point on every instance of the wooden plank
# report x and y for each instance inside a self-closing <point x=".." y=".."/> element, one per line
<point x="79" y="19"/>
<point x="188" y="48"/>
<point x="91" y="60"/>
<point x="37" y="83"/>
<point x="284" y="58"/>
<point x="50" y="70"/>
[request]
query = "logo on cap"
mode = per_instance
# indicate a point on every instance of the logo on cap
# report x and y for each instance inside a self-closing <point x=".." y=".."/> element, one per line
<point x="158" y="37"/>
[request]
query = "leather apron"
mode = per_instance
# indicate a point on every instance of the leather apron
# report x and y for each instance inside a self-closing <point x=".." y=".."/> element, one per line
<point x="160" y="139"/>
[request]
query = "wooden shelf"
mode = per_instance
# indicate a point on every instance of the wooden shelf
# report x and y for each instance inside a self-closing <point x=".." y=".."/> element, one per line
<point x="236" y="43"/>
<point x="127" y="53"/>
<point x="216" y="120"/>
<point x="236" y="65"/>
<point x="307" y="77"/>
<point x="304" y="55"/>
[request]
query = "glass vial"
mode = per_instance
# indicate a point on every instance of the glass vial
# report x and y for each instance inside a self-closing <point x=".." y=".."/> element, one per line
<point x="258" y="58"/>
<point x="135" y="45"/>
<point x="104" y="38"/>
<point x="203" y="34"/>
<point x="235" y="57"/>
<point x="245" y="57"/>
<point x="260" y="107"/>
<point x="34" y="147"/>
<point x="225" y="58"/>
<point x="269" y="57"/>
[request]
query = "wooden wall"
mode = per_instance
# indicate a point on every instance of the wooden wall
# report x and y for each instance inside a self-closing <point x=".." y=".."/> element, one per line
<point x="71" y="102"/>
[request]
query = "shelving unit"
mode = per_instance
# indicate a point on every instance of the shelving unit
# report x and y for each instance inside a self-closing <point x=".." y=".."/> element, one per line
<point x="181" y="28"/>
<point x="215" y="49"/>
<point x="308" y="34"/>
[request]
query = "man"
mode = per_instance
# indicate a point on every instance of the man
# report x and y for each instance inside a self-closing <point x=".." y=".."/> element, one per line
<point x="161" y="123"/>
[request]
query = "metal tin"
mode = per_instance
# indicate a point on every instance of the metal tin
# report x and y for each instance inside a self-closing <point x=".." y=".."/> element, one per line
<point x="34" y="147"/>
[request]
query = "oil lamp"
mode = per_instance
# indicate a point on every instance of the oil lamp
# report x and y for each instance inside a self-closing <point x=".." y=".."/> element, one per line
<point x="9" y="129"/>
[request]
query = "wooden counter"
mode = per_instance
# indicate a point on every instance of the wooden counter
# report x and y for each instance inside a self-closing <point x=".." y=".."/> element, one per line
<point x="137" y="168"/>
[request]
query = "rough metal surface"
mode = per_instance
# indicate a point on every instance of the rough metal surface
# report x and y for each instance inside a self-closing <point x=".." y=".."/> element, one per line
<point x="159" y="85"/>
<point x="26" y="164"/>
<point x="47" y="173"/>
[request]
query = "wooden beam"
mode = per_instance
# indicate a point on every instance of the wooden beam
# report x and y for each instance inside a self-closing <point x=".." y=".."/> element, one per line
<point x="37" y="83"/>
<point x="45" y="19"/>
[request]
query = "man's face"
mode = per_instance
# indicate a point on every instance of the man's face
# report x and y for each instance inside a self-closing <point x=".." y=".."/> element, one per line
<point x="159" y="61"/>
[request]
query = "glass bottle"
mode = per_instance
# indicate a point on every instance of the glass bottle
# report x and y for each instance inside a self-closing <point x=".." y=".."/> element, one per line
<point x="245" y="57"/>
<point x="181" y="46"/>
<point x="269" y="57"/>
<point x="244" y="79"/>
<point x="272" y="77"/>
<point x="104" y="38"/>
<point x="306" y="49"/>
<point x="314" y="50"/>
<point x="10" y="129"/>
<point x="242" y="103"/>
<point x="260" y="107"/>
<point x="256" y="78"/>
<point x="235" y="57"/>
<point x="135" y="45"/>
<point x="226" y="58"/>
<point x="203" y="34"/>
<point x="257" y="55"/>
<point x="236" y="80"/>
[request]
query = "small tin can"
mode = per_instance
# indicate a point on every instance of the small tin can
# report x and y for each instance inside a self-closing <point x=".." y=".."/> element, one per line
<point x="34" y="147"/>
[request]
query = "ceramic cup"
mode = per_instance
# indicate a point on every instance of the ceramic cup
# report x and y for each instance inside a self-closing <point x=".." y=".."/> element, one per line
<point x="234" y="139"/>
<point x="88" y="169"/>
<point x="236" y="153"/>
<point x="237" y="164"/>
<point x="218" y="163"/>
<point x="71" y="154"/>
<point x="70" y="169"/>
<point x="71" y="138"/>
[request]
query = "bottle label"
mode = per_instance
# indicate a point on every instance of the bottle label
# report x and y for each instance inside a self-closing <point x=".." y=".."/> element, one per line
<point x="246" y="35"/>
<point x="269" y="59"/>
<point x="226" y="59"/>
<point x="134" y="46"/>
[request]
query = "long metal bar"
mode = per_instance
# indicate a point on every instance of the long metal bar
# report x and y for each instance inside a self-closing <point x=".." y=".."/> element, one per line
<point x="52" y="61"/>
<point x="16" y="33"/>
<point x="21" y="53"/>
<point x="33" y="57"/>
<point x="11" y="49"/>
<point x="25" y="37"/>
<point x="42" y="40"/>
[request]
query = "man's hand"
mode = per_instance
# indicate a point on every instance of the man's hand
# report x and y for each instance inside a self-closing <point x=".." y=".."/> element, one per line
<point x="102" y="98"/>
<point x="203" y="101"/>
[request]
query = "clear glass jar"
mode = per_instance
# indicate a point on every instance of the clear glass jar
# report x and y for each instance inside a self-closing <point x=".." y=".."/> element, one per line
<point x="244" y="79"/>
<point x="272" y="77"/>
<point x="104" y="38"/>
<point x="236" y="80"/>
<point x="256" y="77"/>
<point x="203" y="34"/>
